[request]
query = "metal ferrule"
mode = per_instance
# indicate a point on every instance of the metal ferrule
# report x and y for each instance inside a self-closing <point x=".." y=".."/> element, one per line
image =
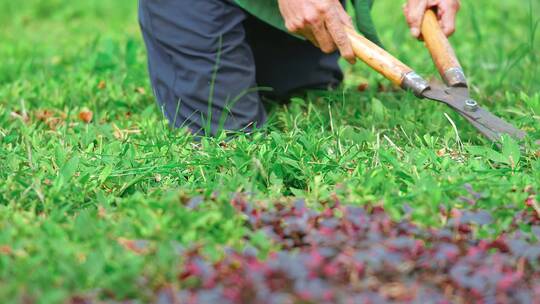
<point x="414" y="82"/>
<point x="455" y="77"/>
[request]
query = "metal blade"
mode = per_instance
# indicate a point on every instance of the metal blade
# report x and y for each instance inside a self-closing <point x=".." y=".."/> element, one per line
<point x="484" y="121"/>
<point x="488" y="133"/>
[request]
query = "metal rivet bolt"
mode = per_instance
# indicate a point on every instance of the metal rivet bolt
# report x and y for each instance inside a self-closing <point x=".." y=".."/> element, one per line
<point x="471" y="105"/>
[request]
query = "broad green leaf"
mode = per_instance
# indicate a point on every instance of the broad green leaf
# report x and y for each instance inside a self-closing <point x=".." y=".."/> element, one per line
<point x="69" y="168"/>
<point x="511" y="150"/>
<point x="378" y="109"/>
<point x="105" y="173"/>
<point x="488" y="153"/>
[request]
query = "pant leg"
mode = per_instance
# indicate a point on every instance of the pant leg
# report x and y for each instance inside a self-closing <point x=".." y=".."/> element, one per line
<point x="183" y="40"/>
<point x="287" y="63"/>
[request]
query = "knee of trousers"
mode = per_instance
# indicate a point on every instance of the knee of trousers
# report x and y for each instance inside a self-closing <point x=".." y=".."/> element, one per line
<point x="200" y="66"/>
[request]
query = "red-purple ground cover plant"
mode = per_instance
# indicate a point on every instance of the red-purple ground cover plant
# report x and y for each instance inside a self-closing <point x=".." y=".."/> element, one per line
<point x="348" y="254"/>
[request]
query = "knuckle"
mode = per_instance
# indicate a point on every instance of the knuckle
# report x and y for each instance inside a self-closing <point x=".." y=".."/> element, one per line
<point x="289" y="27"/>
<point x="323" y="7"/>
<point x="295" y="26"/>
<point x="301" y="23"/>
<point x="311" y="19"/>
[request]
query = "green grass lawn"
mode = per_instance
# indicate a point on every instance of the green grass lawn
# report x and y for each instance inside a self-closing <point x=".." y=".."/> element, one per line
<point x="75" y="197"/>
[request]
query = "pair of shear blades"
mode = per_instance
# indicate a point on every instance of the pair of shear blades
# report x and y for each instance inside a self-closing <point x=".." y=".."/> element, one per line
<point x="457" y="98"/>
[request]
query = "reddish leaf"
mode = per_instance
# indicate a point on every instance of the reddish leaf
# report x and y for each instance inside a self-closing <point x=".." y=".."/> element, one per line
<point x="102" y="85"/>
<point x="86" y="115"/>
<point x="135" y="246"/>
<point x="362" y="87"/>
<point x="6" y="250"/>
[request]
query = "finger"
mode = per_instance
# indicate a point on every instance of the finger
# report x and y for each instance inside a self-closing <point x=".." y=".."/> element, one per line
<point x="345" y="18"/>
<point x="448" y="18"/>
<point x="293" y="21"/>
<point x="323" y="38"/>
<point x="414" y="12"/>
<point x="314" y="30"/>
<point x="287" y="16"/>
<point x="337" y="31"/>
<point x="294" y="25"/>
<point x="309" y="36"/>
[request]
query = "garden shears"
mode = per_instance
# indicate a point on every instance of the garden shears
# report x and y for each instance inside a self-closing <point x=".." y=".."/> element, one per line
<point x="454" y="94"/>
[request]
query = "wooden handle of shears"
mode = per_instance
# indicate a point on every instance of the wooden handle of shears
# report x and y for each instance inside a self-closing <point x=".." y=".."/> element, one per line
<point x="441" y="51"/>
<point x="377" y="58"/>
<point x="386" y="64"/>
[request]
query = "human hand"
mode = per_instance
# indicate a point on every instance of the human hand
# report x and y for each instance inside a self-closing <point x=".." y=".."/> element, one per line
<point x="322" y="22"/>
<point x="446" y="13"/>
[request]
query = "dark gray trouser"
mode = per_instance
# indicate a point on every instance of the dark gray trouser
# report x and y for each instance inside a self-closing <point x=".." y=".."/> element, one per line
<point x="182" y="38"/>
